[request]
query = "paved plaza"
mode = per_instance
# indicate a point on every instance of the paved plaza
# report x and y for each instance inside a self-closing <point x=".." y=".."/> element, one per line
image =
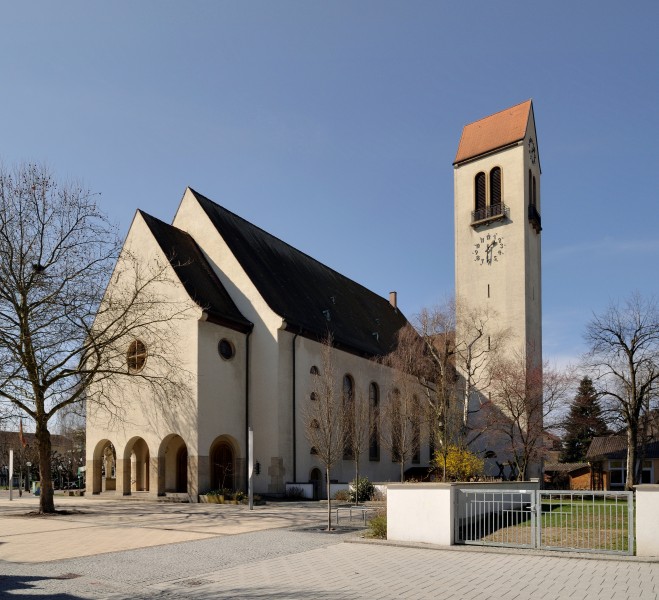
<point x="126" y="549"/>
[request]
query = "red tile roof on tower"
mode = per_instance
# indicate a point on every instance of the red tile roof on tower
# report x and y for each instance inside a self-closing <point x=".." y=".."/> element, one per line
<point x="496" y="131"/>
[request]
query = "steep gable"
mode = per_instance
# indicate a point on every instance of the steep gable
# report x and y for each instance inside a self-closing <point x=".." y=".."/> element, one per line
<point x="312" y="298"/>
<point x="198" y="278"/>
<point x="496" y="131"/>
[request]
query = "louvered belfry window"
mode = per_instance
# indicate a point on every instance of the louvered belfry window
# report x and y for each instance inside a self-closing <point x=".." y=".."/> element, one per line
<point x="480" y="191"/>
<point x="495" y="186"/>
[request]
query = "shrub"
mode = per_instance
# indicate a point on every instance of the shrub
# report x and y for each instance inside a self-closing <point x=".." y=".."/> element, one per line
<point x="461" y="464"/>
<point x="377" y="527"/>
<point x="295" y="492"/>
<point x="342" y="496"/>
<point x="361" y="490"/>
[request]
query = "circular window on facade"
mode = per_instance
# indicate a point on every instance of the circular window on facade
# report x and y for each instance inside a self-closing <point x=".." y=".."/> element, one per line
<point x="136" y="356"/>
<point x="226" y="349"/>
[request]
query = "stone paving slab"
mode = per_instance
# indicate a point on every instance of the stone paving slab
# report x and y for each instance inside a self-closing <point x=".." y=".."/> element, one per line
<point x="354" y="571"/>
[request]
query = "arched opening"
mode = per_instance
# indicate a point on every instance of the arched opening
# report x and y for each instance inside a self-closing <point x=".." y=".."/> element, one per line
<point x="479" y="193"/>
<point x="495" y="190"/>
<point x="316" y="478"/>
<point x="137" y="461"/>
<point x="349" y="416"/>
<point x="182" y="470"/>
<point x="223" y="465"/>
<point x="104" y="467"/>
<point x="374" y="421"/>
<point x="173" y="468"/>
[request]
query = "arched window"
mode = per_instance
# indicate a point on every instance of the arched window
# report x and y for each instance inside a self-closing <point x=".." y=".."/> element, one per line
<point x="314" y="370"/>
<point x="374" y="421"/>
<point x="479" y="192"/>
<point x="136" y="356"/>
<point x="349" y="417"/>
<point x="495" y="190"/>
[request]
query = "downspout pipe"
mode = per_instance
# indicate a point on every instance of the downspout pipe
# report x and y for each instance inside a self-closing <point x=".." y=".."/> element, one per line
<point x="247" y="415"/>
<point x="294" y="414"/>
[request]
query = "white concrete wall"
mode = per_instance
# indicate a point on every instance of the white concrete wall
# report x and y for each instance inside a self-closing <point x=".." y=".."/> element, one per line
<point x="420" y="513"/>
<point x="647" y="522"/>
<point x="363" y="372"/>
<point x="266" y="401"/>
<point x="426" y="512"/>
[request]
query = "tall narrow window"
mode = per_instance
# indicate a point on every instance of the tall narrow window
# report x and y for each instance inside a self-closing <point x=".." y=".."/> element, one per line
<point x="374" y="422"/>
<point x="534" y="199"/>
<point x="395" y="418"/>
<point x="495" y="190"/>
<point x="348" y="417"/>
<point x="479" y="192"/>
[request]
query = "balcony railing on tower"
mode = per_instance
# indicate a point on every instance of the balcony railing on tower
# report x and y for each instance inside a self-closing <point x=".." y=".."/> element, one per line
<point x="493" y="212"/>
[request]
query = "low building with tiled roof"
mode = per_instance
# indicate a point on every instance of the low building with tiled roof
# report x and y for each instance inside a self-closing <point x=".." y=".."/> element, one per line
<point x="608" y="457"/>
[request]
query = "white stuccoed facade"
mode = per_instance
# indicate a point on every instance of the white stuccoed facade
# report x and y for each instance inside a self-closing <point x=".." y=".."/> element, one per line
<point x="199" y="442"/>
<point x="161" y="448"/>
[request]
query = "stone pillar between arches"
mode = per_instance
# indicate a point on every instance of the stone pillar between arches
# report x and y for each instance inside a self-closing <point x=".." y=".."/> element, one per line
<point x="123" y="476"/>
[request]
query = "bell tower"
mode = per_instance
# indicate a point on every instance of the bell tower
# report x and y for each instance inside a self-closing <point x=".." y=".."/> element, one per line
<point x="497" y="224"/>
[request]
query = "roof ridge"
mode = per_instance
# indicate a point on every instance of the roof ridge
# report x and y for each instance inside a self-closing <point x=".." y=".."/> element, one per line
<point x="494" y="114"/>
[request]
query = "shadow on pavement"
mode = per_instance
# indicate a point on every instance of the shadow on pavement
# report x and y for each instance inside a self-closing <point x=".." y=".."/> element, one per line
<point x="264" y="592"/>
<point x="17" y="585"/>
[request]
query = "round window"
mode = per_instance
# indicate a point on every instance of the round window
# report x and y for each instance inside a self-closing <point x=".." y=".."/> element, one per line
<point x="136" y="356"/>
<point x="226" y="349"/>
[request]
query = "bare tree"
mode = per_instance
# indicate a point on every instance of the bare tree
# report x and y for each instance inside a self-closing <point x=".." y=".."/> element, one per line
<point x="401" y="417"/>
<point x="449" y="352"/>
<point x="324" y="419"/>
<point x="624" y="360"/>
<point x="478" y="345"/>
<point x="360" y="426"/>
<point x="525" y="400"/>
<point x="60" y="335"/>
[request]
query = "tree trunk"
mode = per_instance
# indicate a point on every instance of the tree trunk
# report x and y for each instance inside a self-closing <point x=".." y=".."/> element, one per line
<point x="357" y="482"/>
<point x="329" y="501"/>
<point x="46" y="501"/>
<point x="632" y="441"/>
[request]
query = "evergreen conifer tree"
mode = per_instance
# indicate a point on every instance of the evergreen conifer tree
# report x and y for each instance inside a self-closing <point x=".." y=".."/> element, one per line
<point x="583" y="423"/>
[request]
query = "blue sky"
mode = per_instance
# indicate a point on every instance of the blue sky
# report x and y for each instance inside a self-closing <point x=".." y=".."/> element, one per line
<point x="333" y="125"/>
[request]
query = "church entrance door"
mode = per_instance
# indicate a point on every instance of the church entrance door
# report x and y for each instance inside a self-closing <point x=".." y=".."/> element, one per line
<point x="222" y="466"/>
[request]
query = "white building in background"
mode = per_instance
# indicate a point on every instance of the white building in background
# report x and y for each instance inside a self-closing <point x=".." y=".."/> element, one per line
<point x="259" y="309"/>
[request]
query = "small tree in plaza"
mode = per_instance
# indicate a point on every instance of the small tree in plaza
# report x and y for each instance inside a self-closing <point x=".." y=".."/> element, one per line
<point x="526" y="398"/>
<point x="324" y="418"/>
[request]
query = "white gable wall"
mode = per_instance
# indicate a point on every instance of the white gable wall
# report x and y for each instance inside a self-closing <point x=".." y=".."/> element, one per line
<point x="141" y="414"/>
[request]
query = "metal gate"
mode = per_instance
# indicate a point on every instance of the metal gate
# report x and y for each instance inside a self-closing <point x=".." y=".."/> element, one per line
<point x="601" y="522"/>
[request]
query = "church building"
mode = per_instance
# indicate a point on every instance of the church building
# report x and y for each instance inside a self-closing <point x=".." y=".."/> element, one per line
<point x="258" y="310"/>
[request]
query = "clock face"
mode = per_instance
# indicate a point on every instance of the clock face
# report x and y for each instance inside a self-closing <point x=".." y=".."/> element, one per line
<point x="489" y="249"/>
<point x="532" y="152"/>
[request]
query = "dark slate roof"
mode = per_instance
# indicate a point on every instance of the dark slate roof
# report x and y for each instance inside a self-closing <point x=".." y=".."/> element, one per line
<point x="312" y="298"/>
<point x="614" y="447"/>
<point x="198" y="278"/>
